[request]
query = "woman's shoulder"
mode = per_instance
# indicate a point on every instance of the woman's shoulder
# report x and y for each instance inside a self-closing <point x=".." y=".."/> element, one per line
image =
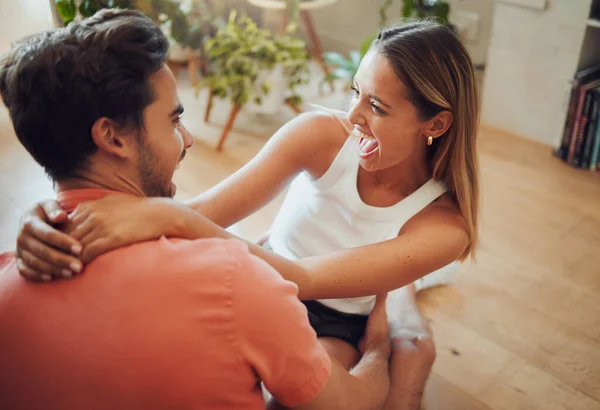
<point x="320" y="134"/>
<point x="445" y="208"/>
<point x="323" y="121"/>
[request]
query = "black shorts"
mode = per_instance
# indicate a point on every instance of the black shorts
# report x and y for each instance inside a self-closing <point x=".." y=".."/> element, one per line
<point x="328" y="322"/>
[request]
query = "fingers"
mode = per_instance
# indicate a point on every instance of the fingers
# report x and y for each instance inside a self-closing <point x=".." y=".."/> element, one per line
<point x="96" y="248"/>
<point x="30" y="274"/>
<point x="83" y="228"/>
<point x="46" y="259"/>
<point x="54" y="212"/>
<point x="42" y="268"/>
<point x="50" y="236"/>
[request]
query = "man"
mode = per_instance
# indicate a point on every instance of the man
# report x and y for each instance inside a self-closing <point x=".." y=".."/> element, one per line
<point x="163" y="324"/>
<point x="168" y="323"/>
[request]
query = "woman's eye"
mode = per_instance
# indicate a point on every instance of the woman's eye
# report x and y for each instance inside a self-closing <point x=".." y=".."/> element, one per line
<point x="377" y="110"/>
<point x="355" y="90"/>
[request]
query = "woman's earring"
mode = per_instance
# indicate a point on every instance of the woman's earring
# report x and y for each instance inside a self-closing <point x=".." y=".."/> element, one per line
<point x="430" y="140"/>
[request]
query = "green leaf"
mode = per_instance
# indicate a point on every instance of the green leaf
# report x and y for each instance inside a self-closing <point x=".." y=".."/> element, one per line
<point x="383" y="19"/>
<point x="195" y="37"/>
<point x="66" y="10"/>
<point x="88" y="8"/>
<point x="240" y="49"/>
<point x="179" y="28"/>
<point x="329" y="77"/>
<point x="366" y="44"/>
<point x="336" y="59"/>
<point x="343" y="73"/>
<point x="295" y="100"/>
<point x="407" y="9"/>
<point x="355" y="57"/>
<point x="441" y="10"/>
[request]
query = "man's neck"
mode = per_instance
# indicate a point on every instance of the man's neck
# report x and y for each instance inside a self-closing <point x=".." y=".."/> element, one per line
<point x="101" y="177"/>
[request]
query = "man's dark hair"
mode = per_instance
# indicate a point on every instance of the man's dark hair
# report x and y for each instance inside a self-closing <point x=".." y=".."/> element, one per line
<point x="58" y="83"/>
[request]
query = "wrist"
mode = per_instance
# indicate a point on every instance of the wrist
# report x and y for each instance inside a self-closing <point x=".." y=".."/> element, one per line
<point x="165" y="215"/>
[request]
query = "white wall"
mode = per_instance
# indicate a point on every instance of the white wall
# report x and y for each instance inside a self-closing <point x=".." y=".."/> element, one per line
<point x="19" y="18"/>
<point x="344" y="25"/>
<point x="485" y="9"/>
<point x="532" y="56"/>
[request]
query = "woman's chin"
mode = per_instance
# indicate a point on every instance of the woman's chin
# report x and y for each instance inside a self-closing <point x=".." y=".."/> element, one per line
<point x="371" y="161"/>
<point x="369" y="164"/>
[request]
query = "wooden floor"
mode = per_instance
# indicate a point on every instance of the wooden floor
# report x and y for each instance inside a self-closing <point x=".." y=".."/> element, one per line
<point x="521" y="327"/>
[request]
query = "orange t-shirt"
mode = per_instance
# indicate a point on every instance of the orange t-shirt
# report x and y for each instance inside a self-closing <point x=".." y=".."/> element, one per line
<point x="166" y="324"/>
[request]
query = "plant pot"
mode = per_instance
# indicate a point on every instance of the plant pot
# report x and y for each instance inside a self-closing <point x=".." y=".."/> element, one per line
<point x="272" y="102"/>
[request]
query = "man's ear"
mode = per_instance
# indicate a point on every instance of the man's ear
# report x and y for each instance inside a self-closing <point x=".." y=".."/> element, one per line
<point x="439" y="124"/>
<point x="107" y="137"/>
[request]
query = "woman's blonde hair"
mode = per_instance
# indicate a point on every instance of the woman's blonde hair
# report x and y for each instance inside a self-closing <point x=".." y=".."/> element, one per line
<point x="436" y="68"/>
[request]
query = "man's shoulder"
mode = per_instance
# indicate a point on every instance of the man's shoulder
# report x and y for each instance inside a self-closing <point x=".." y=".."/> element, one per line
<point x="8" y="266"/>
<point x="175" y="255"/>
<point x="6" y="259"/>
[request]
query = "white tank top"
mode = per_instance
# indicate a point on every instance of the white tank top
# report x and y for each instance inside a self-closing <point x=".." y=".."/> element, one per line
<point x="325" y="215"/>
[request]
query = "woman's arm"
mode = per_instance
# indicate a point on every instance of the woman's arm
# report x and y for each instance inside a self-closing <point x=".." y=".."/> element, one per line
<point x="429" y="241"/>
<point x="308" y="142"/>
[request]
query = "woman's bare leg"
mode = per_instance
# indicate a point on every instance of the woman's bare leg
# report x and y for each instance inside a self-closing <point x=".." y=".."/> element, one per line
<point x="343" y="352"/>
<point x="413" y="351"/>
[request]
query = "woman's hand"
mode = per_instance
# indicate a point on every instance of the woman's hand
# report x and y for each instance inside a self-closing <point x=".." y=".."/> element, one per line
<point x="116" y="221"/>
<point x="94" y="228"/>
<point x="44" y="252"/>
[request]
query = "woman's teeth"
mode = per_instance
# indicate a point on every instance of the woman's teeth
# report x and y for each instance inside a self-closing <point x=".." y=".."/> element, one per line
<point x="361" y="135"/>
<point x="367" y="145"/>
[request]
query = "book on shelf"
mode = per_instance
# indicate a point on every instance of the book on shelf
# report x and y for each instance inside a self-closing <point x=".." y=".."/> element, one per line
<point x="590" y="132"/>
<point x="578" y="143"/>
<point x="595" y="157"/>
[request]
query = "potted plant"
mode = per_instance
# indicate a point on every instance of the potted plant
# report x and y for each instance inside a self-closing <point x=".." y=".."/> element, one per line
<point x="187" y="28"/>
<point x="249" y="64"/>
<point x="345" y="68"/>
<point x="439" y="10"/>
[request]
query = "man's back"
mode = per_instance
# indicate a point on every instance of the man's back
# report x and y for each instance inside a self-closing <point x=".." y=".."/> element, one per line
<point x="162" y="324"/>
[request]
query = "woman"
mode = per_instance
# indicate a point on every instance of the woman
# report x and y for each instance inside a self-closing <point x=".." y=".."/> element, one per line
<point x="380" y="197"/>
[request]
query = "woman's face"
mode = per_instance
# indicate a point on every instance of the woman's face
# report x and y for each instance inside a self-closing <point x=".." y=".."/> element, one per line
<point x="386" y="122"/>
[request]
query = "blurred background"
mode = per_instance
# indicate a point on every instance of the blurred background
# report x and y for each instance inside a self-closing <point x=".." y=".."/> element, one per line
<point x="520" y="329"/>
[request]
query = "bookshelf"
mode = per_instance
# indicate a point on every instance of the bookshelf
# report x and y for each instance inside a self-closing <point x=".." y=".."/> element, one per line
<point x="579" y="144"/>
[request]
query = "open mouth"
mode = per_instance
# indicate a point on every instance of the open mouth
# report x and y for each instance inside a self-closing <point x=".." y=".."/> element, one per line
<point x="367" y="145"/>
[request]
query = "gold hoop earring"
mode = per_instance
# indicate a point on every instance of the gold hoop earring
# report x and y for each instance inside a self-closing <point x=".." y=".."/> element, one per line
<point x="430" y="140"/>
